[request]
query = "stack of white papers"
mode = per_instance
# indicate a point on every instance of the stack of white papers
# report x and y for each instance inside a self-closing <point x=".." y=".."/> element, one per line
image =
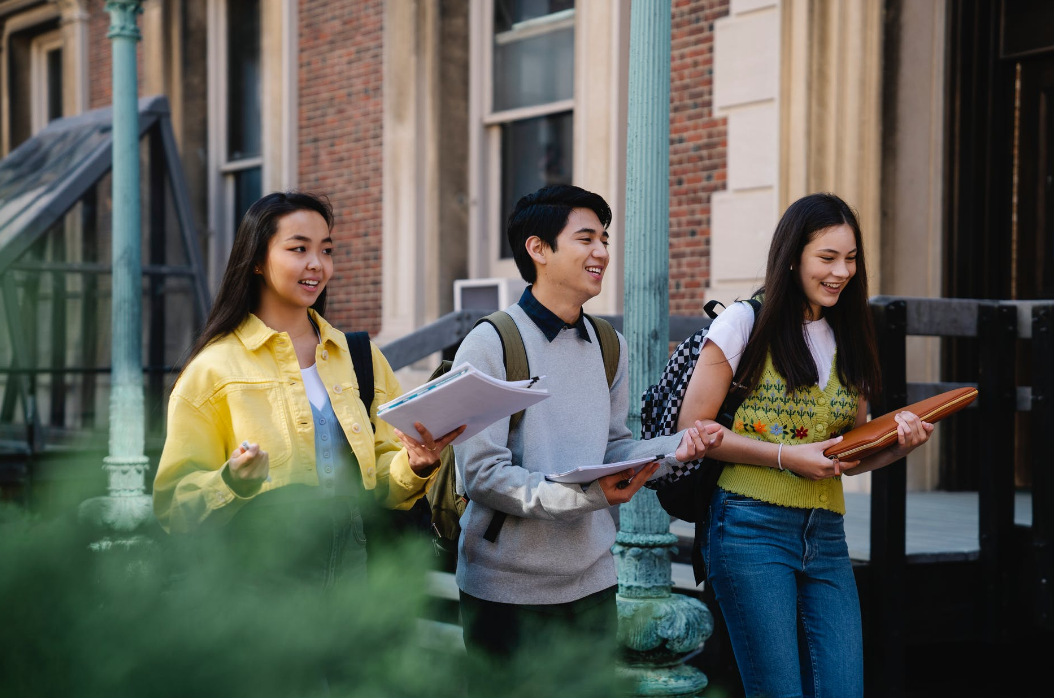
<point x="587" y="473"/>
<point x="465" y="395"/>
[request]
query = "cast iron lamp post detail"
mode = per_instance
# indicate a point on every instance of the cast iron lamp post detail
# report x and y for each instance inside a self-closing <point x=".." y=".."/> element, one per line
<point x="126" y="507"/>
<point x="656" y="628"/>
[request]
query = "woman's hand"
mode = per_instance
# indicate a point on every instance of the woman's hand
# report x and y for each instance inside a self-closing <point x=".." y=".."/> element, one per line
<point x="424" y="454"/>
<point x="808" y="461"/>
<point x="247" y="469"/>
<point x="912" y="432"/>
<point x="620" y="487"/>
<point x="697" y="439"/>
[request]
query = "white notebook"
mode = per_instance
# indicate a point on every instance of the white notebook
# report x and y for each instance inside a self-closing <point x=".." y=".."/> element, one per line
<point x="465" y="395"/>
<point x="588" y="473"/>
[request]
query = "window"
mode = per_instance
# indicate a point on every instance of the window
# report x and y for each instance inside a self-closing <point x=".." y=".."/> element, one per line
<point x="46" y="80"/>
<point x="528" y="116"/>
<point x="236" y="120"/>
<point x="243" y="156"/>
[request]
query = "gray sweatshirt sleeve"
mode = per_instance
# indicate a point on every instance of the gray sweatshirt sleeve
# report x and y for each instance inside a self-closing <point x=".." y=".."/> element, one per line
<point x="486" y="462"/>
<point x="621" y="444"/>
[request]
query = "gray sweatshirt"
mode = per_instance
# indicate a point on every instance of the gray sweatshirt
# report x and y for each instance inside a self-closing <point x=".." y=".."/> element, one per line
<point x="555" y="544"/>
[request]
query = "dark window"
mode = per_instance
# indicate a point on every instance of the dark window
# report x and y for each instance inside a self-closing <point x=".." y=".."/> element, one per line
<point x="54" y="60"/>
<point x="243" y="79"/>
<point x="534" y="153"/>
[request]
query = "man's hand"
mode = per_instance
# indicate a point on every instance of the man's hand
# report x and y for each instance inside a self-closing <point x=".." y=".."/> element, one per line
<point x="620" y="487"/>
<point x="697" y="439"/>
<point x="247" y="469"/>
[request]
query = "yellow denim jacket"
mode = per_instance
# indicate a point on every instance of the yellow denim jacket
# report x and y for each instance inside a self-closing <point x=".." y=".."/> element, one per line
<point x="246" y="386"/>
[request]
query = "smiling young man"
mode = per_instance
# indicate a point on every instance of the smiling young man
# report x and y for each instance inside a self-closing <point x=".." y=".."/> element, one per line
<point x="550" y="567"/>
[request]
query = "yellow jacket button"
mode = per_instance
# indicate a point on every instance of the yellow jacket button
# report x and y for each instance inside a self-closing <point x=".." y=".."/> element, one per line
<point x="369" y="471"/>
<point x="325" y="354"/>
<point x="823" y="498"/>
<point x="337" y="389"/>
<point x="821" y="427"/>
<point x="356" y="428"/>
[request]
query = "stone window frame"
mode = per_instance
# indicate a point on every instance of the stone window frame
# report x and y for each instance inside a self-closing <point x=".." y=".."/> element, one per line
<point x="278" y="160"/>
<point x="40" y="47"/>
<point x="485" y="224"/>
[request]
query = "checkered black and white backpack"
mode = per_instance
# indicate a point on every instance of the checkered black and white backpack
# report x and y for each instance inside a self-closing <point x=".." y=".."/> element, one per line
<point x="686" y="491"/>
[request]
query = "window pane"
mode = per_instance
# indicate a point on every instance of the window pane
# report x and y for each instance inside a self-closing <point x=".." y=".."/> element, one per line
<point x="534" y="153"/>
<point x="536" y="70"/>
<point x="54" y="62"/>
<point x="243" y="79"/>
<point x="248" y="188"/>
<point x="508" y="13"/>
<point x="534" y="51"/>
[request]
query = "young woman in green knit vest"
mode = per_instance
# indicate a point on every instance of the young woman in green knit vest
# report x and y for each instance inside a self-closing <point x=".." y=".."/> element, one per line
<point x="775" y="551"/>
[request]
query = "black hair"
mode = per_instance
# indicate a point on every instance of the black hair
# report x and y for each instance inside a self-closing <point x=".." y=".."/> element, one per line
<point x="544" y="213"/>
<point x="239" y="292"/>
<point x="779" y="324"/>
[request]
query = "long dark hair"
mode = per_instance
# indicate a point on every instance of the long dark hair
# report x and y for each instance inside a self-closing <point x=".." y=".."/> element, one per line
<point x="779" y="324"/>
<point x="239" y="292"/>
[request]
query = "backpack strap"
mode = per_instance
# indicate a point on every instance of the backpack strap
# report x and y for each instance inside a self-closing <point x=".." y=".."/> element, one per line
<point x="517" y="367"/>
<point x="736" y="394"/>
<point x="609" y="345"/>
<point x="362" y="362"/>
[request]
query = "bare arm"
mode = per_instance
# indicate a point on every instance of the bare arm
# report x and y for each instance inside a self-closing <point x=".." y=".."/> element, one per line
<point x="707" y="390"/>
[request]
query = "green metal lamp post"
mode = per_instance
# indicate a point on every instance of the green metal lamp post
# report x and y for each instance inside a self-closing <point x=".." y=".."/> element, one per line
<point x="126" y="507"/>
<point x="656" y="628"/>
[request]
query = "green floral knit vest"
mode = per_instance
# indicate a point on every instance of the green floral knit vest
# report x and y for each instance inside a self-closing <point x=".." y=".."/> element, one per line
<point x="808" y="416"/>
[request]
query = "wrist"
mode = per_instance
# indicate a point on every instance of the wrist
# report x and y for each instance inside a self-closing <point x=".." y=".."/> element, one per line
<point x="238" y="486"/>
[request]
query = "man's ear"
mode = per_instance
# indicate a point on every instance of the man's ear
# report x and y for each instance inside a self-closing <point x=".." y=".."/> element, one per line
<point x="537" y="248"/>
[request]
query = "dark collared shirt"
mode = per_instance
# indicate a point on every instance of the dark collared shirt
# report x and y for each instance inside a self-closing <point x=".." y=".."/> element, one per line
<point x="549" y="322"/>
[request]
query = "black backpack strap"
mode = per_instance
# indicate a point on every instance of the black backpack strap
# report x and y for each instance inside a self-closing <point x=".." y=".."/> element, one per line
<point x="362" y="362"/>
<point x="609" y="346"/>
<point x="737" y="392"/>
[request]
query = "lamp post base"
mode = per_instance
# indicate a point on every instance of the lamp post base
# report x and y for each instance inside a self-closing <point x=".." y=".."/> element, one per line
<point x="676" y="681"/>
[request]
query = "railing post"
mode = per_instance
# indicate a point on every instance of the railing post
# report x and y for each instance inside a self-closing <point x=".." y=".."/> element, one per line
<point x="997" y="330"/>
<point x="886" y="601"/>
<point x="656" y="628"/>
<point x="1042" y="478"/>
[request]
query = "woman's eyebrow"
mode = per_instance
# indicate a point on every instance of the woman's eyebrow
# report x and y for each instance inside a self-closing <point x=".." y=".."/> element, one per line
<point x="829" y="250"/>
<point x="304" y="238"/>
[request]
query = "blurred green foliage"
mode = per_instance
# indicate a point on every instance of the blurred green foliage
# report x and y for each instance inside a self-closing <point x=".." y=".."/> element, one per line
<point x="177" y="618"/>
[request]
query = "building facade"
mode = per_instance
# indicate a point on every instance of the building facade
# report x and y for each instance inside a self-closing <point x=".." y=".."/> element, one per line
<point x="425" y="120"/>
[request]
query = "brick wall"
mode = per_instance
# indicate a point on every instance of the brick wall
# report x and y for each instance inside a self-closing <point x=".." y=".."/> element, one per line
<point x="698" y="151"/>
<point x="340" y="125"/>
<point x="100" y="56"/>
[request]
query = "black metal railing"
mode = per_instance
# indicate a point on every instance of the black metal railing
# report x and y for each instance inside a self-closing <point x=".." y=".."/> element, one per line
<point x="997" y="327"/>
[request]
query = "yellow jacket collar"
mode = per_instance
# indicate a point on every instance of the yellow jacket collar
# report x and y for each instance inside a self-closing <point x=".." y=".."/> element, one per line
<point x="253" y="333"/>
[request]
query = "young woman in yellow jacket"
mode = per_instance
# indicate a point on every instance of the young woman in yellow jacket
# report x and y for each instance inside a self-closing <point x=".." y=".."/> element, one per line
<point x="267" y="436"/>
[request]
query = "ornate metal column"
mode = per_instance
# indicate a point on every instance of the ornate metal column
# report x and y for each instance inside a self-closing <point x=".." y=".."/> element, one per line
<point x="126" y="506"/>
<point x="656" y="628"/>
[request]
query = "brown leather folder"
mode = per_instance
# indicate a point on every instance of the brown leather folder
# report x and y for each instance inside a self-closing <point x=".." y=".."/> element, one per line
<point x="881" y="432"/>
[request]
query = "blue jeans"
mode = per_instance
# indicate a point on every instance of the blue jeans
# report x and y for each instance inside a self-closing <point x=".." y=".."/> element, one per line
<point x="785" y="586"/>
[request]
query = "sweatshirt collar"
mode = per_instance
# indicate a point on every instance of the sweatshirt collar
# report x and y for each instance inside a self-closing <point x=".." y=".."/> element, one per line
<point x="549" y="322"/>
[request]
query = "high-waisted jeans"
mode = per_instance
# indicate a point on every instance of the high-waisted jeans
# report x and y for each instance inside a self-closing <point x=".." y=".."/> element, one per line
<point x="785" y="586"/>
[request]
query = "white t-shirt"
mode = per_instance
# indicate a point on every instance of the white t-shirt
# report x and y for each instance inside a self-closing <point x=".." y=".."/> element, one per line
<point x="731" y="330"/>
<point x="316" y="391"/>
